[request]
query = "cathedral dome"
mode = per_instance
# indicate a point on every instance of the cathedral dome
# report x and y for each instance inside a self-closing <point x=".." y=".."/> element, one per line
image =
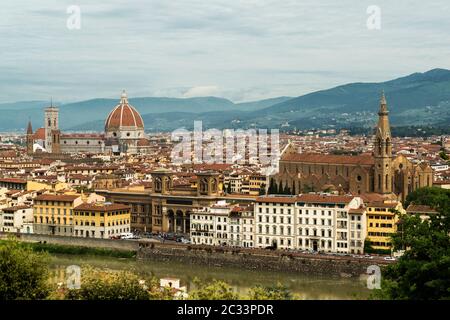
<point x="123" y="116"/>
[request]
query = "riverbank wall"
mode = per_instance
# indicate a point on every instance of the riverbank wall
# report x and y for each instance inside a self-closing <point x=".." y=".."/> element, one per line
<point x="259" y="260"/>
<point x="250" y="259"/>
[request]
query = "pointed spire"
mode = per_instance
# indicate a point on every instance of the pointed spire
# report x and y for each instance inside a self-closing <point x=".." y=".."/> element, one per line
<point x="383" y="105"/>
<point x="30" y="128"/>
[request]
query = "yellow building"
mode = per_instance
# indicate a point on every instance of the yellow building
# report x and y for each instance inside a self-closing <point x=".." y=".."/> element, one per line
<point x="36" y="185"/>
<point x="53" y="213"/>
<point x="382" y="223"/>
<point x="101" y="220"/>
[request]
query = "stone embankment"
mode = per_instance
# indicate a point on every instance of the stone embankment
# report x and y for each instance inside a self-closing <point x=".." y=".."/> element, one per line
<point x="251" y="259"/>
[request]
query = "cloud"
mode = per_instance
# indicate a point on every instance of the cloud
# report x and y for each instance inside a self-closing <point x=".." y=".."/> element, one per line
<point x="238" y="49"/>
<point x="202" y="91"/>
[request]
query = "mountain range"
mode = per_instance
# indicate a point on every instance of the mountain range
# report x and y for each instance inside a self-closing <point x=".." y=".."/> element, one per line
<point x="416" y="99"/>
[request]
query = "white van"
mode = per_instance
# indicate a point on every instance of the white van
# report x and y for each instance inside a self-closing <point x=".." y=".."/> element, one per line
<point x="126" y="235"/>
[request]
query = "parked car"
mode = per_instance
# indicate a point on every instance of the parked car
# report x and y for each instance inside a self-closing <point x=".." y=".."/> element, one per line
<point x="389" y="258"/>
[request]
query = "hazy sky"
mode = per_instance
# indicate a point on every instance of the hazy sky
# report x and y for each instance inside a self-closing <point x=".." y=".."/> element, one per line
<point x="241" y="50"/>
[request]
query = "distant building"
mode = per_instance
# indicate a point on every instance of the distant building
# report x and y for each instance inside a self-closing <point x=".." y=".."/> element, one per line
<point x="424" y="212"/>
<point x="379" y="172"/>
<point x="124" y="133"/>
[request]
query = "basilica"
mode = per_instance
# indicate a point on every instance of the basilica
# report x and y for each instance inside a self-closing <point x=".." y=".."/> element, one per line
<point x="378" y="172"/>
<point x="124" y="134"/>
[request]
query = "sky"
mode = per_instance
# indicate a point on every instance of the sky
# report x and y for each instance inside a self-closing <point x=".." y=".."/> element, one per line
<point x="240" y="50"/>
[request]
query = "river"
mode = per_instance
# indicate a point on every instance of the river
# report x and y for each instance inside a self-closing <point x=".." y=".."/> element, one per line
<point x="305" y="286"/>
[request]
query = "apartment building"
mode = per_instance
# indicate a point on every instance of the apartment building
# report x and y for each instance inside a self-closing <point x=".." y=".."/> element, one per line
<point x="17" y="219"/>
<point x="53" y="213"/>
<point x="248" y="225"/>
<point x="358" y="230"/>
<point x="319" y="222"/>
<point x="240" y="226"/>
<point x="101" y="220"/>
<point x="382" y="222"/>
<point x="209" y="225"/>
<point x="275" y="222"/>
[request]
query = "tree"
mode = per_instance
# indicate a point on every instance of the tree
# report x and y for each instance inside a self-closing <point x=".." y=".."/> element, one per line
<point x="278" y="292"/>
<point x="23" y="273"/>
<point x="216" y="290"/>
<point x="272" y="187"/>
<point x="124" y="285"/>
<point x="262" y="189"/>
<point x="444" y="156"/>
<point x="430" y="196"/>
<point x="228" y="188"/>
<point x="279" y="188"/>
<point x="287" y="190"/>
<point x="423" y="272"/>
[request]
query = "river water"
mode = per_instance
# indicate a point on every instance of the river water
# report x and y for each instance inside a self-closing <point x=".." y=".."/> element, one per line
<point x="304" y="285"/>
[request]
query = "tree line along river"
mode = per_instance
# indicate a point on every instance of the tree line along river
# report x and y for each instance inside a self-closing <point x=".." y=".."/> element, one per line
<point x="304" y="285"/>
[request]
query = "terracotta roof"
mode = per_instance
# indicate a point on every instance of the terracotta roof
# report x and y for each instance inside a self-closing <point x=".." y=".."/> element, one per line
<point x="319" y="198"/>
<point x="83" y="135"/>
<point x="357" y="211"/>
<point x="13" y="180"/>
<point x="329" y="159"/>
<point x="415" y="208"/>
<point x="143" y="142"/>
<point x="7" y="154"/>
<point x="11" y="209"/>
<point x="101" y="207"/>
<point x="277" y="199"/>
<point x="57" y="197"/>
<point x="39" y="134"/>
<point x="383" y="204"/>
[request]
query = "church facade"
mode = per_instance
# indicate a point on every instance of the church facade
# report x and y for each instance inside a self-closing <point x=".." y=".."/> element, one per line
<point x="379" y="172"/>
<point x="124" y="133"/>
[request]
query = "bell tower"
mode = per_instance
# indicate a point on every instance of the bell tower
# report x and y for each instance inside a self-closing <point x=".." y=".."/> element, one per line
<point x="50" y="124"/>
<point x="30" y="140"/>
<point x="383" y="151"/>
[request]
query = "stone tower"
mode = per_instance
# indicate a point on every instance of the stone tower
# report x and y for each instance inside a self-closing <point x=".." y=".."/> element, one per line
<point x="383" y="151"/>
<point x="208" y="184"/>
<point x="30" y="140"/>
<point x="51" y="124"/>
<point x="162" y="181"/>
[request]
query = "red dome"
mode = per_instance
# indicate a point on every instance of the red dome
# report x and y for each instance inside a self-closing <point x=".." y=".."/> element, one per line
<point x="123" y="115"/>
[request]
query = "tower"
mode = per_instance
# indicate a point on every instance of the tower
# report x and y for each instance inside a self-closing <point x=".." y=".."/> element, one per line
<point x="30" y="140"/>
<point x="208" y="184"/>
<point x="383" y="151"/>
<point x="51" y="124"/>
